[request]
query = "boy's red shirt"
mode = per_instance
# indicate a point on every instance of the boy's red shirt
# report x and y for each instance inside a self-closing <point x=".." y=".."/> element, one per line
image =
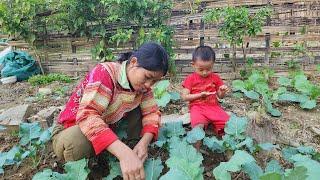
<point x="197" y="84"/>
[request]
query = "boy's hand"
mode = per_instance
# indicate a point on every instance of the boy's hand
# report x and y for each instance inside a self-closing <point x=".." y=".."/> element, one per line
<point x="224" y="89"/>
<point x="205" y="94"/>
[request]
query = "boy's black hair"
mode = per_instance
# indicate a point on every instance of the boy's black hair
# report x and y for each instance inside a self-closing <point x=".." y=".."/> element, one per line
<point x="205" y="53"/>
<point x="151" y="56"/>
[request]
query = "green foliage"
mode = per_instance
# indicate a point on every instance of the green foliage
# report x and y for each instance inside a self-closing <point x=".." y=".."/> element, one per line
<point x="184" y="162"/>
<point x="153" y="168"/>
<point x="74" y="170"/>
<point x="239" y="158"/>
<point x="136" y="21"/>
<point x="214" y="144"/>
<point x="267" y="146"/>
<point x="33" y="139"/>
<point x="304" y="92"/>
<point x="236" y="24"/>
<point x="318" y="68"/>
<point x="274" y="166"/>
<point x="115" y="170"/>
<point x="161" y="94"/>
<point x="236" y="126"/>
<point x="196" y="134"/>
<point x="47" y="79"/>
<point x="299" y="172"/>
<point x="256" y="86"/>
<point x="253" y="170"/>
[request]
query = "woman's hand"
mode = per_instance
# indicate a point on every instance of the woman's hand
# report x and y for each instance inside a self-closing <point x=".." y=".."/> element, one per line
<point x="131" y="165"/>
<point x="141" y="149"/>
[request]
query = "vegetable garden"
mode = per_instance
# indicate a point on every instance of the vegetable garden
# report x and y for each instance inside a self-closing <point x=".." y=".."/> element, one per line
<point x="273" y="132"/>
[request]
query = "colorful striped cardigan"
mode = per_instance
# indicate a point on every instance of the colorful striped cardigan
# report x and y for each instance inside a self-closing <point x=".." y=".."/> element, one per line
<point x="103" y="98"/>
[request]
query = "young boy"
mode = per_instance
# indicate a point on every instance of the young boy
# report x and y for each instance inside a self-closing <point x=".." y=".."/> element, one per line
<point x="201" y="89"/>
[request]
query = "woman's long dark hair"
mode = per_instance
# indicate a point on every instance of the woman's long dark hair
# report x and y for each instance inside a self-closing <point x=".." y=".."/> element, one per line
<point x="151" y="56"/>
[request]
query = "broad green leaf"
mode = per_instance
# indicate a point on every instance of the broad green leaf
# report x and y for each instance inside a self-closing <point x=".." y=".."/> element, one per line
<point x="268" y="146"/>
<point x="115" y="170"/>
<point x="251" y="94"/>
<point x="164" y="100"/>
<point x="248" y="142"/>
<point x="175" y="96"/>
<point x="271" y="176"/>
<point x="214" y="144"/>
<point x="230" y="141"/>
<point x="162" y="85"/>
<point x="298" y="173"/>
<point x="302" y="84"/>
<point x="238" y="85"/>
<point x="284" y="81"/>
<point x="279" y="91"/>
<point x="233" y="165"/>
<point x="274" y="166"/>
<point x="29" y="132"/>
<point x="312" y="166"/>
<point x="10" y="156"/>
<point x="294" y="97"/>
<point x="306" y="150"/>
<point x="161" y="138"/>
<point x="253" y="170"/>
<point x="45" y="136"/>
<point x="77" y="169"/>
<point x="175" y="174"/>
<point x="270" y="109"/>
<point x="236" y="126"/>
<point x="237" y="95"/>
<point x="310" y="104"/>
<point x="289" y="96"/>
<point x="173" y="129"/>
<point x="191" y="169"/>
<point x="153" y="168"/>
<point x="48" y="174"/>
<point x="261" y="87"/>
<point x="289" y="152"/>
<point x="195" y="135"/>
<point x="182" y="150"/>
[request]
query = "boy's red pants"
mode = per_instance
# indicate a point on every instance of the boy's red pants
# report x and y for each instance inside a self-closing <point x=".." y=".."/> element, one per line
<point x="204" y="114"/>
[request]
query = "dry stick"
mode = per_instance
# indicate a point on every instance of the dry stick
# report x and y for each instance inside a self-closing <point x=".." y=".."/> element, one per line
<point x="240" y="174"/>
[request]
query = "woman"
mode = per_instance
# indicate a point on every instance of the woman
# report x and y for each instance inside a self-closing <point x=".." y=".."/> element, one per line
<point x="112" y="92"/>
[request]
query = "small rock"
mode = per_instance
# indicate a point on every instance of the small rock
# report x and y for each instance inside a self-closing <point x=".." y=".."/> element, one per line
<point x="48" y="114"/>
<point x="175" y="118"/>
<point x="208" y="174"/>
<point x="45" y="91"/>
<point x="30" y="99"/>
<point x="43" y="122"/>
<point x="15" y="115"/>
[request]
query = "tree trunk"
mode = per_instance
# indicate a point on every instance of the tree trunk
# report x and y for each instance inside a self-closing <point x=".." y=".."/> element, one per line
<point x="233" y="60"/>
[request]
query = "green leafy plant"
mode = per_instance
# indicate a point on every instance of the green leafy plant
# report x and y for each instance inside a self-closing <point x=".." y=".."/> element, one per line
<point x="74" y="170"/>
<point x="257" y="89"/>
<point x="161" y="94"/>
<point x="303" y="91"/>
<point x="32" y="140"/>
<point x="236" y="24"/>
<point x="47" y="79"/>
